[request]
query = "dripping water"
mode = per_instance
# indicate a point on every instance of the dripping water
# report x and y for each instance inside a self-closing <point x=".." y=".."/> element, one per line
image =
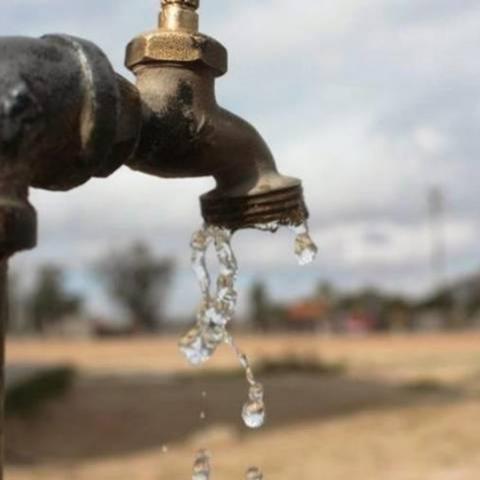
<point x="217" y="309"/>
<point x="201" y="467"/>
<point x="254" y="473"/>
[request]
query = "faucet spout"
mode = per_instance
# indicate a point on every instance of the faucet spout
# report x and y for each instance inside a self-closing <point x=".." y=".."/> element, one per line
<point x="186" y="133"/>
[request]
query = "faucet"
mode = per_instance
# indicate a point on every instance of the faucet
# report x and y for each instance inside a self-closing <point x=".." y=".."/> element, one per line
<point x="66" y="116"/>
<point x="186" y="133"/>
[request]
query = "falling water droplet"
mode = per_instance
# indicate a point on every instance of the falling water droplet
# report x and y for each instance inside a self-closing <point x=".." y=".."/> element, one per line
<point x="203" y="415"/>
<point x="201" y="467"/>
<point x="253" y="473"/>
<point x="253" y="412"/>
<point x="164" y="449"/>
<point x="305" y="248"/>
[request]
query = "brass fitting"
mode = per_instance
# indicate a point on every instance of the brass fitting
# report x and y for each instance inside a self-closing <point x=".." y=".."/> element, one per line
<point x="177" y="40"/>
<point x="179" y="15"/>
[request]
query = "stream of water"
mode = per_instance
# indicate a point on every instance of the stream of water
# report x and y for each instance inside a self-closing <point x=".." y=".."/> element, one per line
<point x="217" y="309"/>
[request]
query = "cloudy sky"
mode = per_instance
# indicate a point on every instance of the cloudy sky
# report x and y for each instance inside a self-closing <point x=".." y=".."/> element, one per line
<point x="371" y="103"/>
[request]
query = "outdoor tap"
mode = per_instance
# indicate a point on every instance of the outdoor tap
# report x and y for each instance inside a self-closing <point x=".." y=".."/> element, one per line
<point x="185" y="133"/>
<point x="65" y="117"/>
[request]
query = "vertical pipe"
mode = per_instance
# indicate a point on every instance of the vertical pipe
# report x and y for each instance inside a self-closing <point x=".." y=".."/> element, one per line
<point x="3" y="326"/>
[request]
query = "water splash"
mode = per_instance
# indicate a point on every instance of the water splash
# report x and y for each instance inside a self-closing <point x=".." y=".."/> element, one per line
<point x="215" y="311"/>
<point x="201" y="467"/>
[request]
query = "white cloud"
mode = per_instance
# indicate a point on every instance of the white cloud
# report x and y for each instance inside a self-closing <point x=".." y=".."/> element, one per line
<point x="430" y="140"/>
<point x="388" y="244"/>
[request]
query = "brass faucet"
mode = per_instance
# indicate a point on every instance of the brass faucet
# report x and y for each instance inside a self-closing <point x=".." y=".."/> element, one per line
<point x="66" y="116"/>
<point x="187" y="134"/>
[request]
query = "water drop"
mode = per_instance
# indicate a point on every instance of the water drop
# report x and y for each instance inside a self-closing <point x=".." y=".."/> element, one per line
<point x="253" y="412"/>
<point x="165" y="449"/>
<point x="253" y="473"/>
<point x="305" y="248"/>
<point x="268" y="227"/>
<point x="203" y="415"/>
<point x="201" y="467"/>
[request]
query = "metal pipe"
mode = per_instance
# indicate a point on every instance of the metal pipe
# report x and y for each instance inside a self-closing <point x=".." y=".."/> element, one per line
<point x="3" y="324"/>
<point x="65" y="116"/>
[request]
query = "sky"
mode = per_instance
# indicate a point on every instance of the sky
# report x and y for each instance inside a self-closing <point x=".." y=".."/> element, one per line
<point x="371" y="103"/>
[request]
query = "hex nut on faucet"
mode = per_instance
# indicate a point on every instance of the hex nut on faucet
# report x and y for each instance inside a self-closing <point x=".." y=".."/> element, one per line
<point x="174" y="46"/>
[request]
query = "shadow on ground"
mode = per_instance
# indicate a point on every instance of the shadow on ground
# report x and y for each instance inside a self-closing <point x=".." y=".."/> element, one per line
<point x="112" y="416"/>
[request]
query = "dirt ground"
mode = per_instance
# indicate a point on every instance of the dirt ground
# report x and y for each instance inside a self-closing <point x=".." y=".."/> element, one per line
<point x="406" y="408"/>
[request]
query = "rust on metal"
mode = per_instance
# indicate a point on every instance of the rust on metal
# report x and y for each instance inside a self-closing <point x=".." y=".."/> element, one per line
<point x="279" y="208"/>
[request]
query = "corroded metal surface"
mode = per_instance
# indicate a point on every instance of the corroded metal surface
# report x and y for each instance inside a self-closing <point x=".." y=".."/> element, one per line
<point x="3" y="324"/>
<point x="62" y="111"/>
<point x="65" y="117"/>
<point x="276" y="208"/>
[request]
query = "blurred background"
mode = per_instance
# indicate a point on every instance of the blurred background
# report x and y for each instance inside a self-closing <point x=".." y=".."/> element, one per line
<point x="370" y="357"/>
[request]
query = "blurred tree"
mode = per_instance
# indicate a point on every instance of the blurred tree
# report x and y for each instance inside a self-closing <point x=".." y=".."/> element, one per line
<point x="260" y="306"/>
<point x="49" y="302"/>
<point x="138" y="281"/>
<point x="327" y="296"/>
<point x="325" y="290"/>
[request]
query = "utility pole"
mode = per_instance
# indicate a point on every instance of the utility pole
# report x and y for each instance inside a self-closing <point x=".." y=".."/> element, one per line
<point x="436" y="213"/>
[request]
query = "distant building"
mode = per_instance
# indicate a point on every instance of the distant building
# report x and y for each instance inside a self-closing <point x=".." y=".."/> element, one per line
<point x="307" y="315"/>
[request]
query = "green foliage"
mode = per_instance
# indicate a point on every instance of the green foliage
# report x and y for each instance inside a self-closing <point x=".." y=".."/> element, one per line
<point x="49" y="302"/>
<point x="261" y="309"/>
<point x="427" y="385"/>
<point x="26" y="397"/>
<point x="138" y="281"/>
<point x="299" y="364"/>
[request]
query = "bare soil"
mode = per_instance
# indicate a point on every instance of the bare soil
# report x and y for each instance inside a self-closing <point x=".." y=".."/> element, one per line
<point x="406" y="409"/>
